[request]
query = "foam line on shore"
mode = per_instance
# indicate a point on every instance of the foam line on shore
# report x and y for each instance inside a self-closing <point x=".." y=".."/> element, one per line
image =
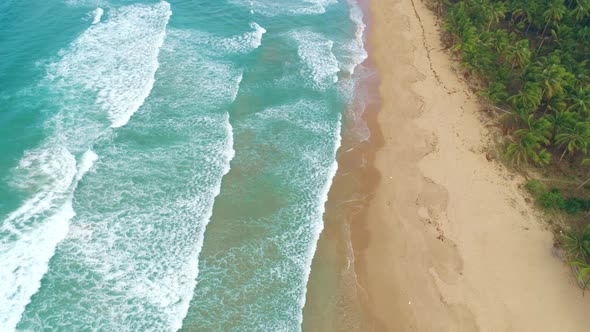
<point x="320" y="210"/>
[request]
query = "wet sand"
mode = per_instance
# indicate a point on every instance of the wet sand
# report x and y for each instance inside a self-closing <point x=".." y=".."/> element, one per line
<point x="334" y="298"/>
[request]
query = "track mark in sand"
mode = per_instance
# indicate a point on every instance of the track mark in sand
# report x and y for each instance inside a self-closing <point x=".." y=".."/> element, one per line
<point x="425" y="44"/>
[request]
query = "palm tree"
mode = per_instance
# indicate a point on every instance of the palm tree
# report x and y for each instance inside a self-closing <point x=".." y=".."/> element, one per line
<point x="554" y="77"/>
<point x="578" y="249"/>
<point x="525" y="12"/>
<point x="583" y="272"/>
<point x="582" y="10"/>
<point x="580" y="100"/>
<point x="456" y="22"/>
<point x="540" y="127"/>
<point x="500" y="41"/>
<point x="479" y="11"/>
<point x="561" y="120"/>
<point x="578" y="245"/>
<point x="495" y="92"/>
<point x="531" y="72"/>
<point x="497" y="11"/>
<point x="468" y="40"/>
<point x="528" y="146"/>
<point x="529" y="97"/>
<point x="544" y="97"/>
<point x="520" y="54"/>
<point x="556" y="104"/>
<point x="552" y="15"/>
<point x="574" y="138"/>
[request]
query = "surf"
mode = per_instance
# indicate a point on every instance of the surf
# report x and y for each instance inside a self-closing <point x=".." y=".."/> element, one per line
<point x="286" y="8"/>
<point x="135" y="250"/>
<point x="184" y="167"/>
<point x="97" y="15"/>
<point x="316" y="53"/>
<point x="85" y="76"/>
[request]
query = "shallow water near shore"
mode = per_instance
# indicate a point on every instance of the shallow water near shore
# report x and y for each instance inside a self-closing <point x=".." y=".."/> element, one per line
<point x="167" y="163"/>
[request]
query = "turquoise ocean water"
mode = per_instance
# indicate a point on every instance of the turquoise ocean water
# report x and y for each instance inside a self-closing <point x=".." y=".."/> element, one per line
<point x="165" y="165"/>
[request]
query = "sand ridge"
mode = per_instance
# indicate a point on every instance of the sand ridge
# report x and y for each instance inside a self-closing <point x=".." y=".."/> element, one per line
<point x="449" y="243"/>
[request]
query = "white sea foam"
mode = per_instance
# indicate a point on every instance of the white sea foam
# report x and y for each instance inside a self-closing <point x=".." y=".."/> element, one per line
<point x="272" y="8"/>
<point x="244" y="43"/>
<point x="356" y="16"/>
<point x="218" y="48"/>
<point x="324" y="3"/>
<point x="49" y="173"/>
<point x="292" y="116"/>
<point x="228" y="156"/>
<point x="315" y="7"/>
<point x="86" y="3"/>
<point x="353" y="51"/>
<point x="237" y="88"/>
<point x="117" y="59"/>
<point x="212" y="84"/>
<point x="294" y="147"/>
<point x="319" y="211"/>
<point x="111" y="64"/>
<point x="25" y="261"/>
<point x="207" y="67"/>
<point x="257" y="34"/>
<point x="97" y="15"/>
<point x="319" y="62"/>
<point x="148" y="253"/>
<point x="141" y="217"/>
<point x="32" y="232"/>
<point x="86" y="162"/>
<point x="351" y="88"/>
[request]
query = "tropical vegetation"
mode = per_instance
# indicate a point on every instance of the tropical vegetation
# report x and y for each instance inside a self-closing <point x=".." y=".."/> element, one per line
<point x="577" y="246"/>
<point x="529" y="59"/>
<point x="553" y="199"/>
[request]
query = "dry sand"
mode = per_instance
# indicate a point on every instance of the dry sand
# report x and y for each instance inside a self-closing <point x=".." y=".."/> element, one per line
<point x="449" y="243"/>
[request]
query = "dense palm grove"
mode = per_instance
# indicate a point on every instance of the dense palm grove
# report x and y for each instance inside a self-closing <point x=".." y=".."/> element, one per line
<point x="531" y="59"/>
<point x="533" y="54"/>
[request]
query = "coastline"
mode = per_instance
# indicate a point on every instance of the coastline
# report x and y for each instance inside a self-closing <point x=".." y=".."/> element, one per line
<point x="334" y="300"/>
<point x="447" y="242"/>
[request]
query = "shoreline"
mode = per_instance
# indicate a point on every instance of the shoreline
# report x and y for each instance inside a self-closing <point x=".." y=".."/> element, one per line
<point x="447" y="241"/>
<point x="334" y="299"/>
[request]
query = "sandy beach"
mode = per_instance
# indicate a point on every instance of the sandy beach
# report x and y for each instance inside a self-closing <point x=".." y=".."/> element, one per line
<point x="449" y="242"/>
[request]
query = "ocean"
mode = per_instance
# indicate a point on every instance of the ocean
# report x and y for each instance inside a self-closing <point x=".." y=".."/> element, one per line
<point x="165" y="165"/>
